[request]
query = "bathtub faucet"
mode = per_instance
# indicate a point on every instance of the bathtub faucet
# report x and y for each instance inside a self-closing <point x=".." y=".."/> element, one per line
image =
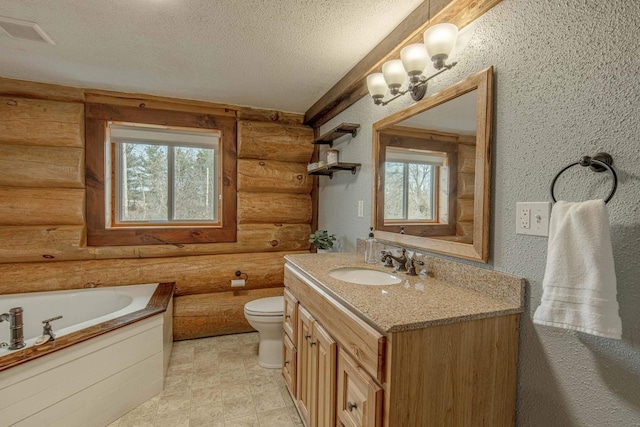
<point x="47" y="329"/>
<point x="14" y="316"/>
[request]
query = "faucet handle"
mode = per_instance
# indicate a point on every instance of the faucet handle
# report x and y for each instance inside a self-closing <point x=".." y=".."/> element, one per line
<point x="48" y="330"/>
<point x="51" y="320"/>
<point x="386" y="258"/>
<point x="402" y="261"/>
<point x="411" y="268"/>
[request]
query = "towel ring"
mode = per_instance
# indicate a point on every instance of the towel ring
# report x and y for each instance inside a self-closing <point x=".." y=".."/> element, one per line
<point x="599" y="163"/>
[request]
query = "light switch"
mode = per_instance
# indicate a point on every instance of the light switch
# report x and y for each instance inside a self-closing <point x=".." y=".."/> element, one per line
<point x="532" y="218"/>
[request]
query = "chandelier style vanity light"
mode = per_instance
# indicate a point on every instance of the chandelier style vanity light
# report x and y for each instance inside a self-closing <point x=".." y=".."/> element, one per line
<point x="439" y="41"/>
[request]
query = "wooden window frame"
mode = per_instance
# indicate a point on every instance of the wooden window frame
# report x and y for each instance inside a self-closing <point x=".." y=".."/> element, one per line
<point x="97" y="117"/>
<point x="386" y="138"/>
<point x="435" y="199"/>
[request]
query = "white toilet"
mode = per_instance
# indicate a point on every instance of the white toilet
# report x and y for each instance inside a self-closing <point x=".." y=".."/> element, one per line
<point x="265" y="316"/>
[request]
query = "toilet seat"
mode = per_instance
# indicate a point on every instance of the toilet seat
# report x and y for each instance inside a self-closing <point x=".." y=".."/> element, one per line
<point x="272" y="306"/>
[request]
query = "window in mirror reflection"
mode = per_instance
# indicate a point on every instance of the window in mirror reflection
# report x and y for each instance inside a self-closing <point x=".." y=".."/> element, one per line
<point x="412" y="185"/>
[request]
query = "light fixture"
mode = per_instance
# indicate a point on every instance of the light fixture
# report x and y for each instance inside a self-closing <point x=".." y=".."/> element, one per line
<point x="439" y="41"/>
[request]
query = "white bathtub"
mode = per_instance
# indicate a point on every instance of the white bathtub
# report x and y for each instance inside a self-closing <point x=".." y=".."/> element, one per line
<point x="79" y="308"/>
<point x="111" y="353"/>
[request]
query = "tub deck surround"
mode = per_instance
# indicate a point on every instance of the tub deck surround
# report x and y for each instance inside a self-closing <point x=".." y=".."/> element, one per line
<point x="157" y="304"/>
<point x="458" y="292"/>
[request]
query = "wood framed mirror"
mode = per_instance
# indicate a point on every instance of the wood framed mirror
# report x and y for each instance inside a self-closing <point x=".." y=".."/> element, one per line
<point x="432" y="167"/>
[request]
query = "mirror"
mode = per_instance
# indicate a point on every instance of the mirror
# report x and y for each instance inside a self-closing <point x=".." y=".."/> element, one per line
<point x="432" y="171"/>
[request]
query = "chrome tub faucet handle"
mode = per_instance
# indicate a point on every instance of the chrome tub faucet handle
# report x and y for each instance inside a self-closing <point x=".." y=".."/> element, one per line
<point x="47" y="329"/>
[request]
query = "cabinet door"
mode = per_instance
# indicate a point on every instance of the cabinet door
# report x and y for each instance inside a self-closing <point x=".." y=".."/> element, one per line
<point x="323" y="410"/>
<point x="305" y="367"/>
<point x="289" y="365"/>
<point x="290" y="320"/>
<point x="359" y="397"/>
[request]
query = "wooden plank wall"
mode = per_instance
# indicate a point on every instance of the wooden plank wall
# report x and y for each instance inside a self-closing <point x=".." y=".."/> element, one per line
<point x="42" y="211"/>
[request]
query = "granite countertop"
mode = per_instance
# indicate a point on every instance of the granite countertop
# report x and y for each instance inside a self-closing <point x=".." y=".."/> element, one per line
<point x="469" y="292"/>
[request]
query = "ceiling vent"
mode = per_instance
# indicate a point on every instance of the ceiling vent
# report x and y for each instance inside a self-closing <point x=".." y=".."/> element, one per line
<point x="24" y="30"/>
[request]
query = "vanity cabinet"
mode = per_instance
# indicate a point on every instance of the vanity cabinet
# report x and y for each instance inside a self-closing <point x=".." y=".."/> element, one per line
<point x="289" y="366"/>
<point x="290" y="339"/>
<point x="316" y="372"/>
<point x="319" y="360"/>
<point x="348" y="373"/>
<point x="359" y="397"/>
<point x="290" y="321"/>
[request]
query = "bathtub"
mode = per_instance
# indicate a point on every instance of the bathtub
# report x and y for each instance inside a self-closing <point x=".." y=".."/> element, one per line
<point x="111" y="353"/>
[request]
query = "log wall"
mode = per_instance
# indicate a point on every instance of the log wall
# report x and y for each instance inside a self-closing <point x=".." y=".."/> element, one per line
<point x="42" y="209"/>
<point x="466" y="184"/>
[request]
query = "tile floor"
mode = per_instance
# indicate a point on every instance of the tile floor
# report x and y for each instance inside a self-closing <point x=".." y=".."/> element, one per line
<point x="216" y="382"/>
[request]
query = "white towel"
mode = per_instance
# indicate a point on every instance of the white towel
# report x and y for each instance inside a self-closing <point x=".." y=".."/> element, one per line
<point x="579" y="285"/>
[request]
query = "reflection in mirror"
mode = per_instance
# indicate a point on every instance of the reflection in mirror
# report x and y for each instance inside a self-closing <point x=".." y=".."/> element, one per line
<point x="412" y="184"/>
<point x="432" y="171"/>
<point x="425" y="157"/>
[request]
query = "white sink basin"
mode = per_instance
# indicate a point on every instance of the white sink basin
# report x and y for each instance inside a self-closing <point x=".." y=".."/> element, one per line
<point x="364" y="276"/>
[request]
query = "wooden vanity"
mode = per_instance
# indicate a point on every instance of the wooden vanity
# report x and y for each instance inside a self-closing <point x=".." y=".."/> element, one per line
<point x="439" y="354"/>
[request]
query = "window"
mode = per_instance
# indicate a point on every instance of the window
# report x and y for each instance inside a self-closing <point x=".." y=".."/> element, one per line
<point x="163" y="175"/>
<point x="412" y="184"/>
<point x="419" y="169"/>
<point x="159" y="177"/>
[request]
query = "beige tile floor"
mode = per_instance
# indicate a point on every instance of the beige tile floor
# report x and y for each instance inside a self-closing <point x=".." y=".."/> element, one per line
<point x="217" y="382"/>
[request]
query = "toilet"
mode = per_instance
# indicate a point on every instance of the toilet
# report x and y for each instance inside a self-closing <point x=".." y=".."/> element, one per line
<point x="265" y="316"/>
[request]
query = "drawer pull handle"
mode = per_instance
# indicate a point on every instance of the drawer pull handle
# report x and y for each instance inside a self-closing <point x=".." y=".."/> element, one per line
<point x="351" y="406"/>
<point x="306" y="337"/>
<point x="288" y="316"/>
<point x="312" y="343"/>
<point x="286" y="362"/>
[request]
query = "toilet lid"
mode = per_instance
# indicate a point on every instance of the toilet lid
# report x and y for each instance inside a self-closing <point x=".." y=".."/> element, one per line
<point x="265" y="306"/>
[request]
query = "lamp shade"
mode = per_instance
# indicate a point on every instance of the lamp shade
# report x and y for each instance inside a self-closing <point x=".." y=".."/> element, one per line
<point x="414" y="58"/>
<point x="393" y="72"/>
<point x="376" y="85"/>
<point x="440" y="39"/>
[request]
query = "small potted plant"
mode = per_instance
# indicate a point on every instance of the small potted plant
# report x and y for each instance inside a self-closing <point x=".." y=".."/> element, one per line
<point x="322" y="240"/>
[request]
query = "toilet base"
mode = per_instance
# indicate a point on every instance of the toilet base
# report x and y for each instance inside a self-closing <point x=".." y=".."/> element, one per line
<point x="270" y="353"/>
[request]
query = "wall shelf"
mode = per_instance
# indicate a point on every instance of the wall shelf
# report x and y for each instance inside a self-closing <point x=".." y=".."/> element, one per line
<point x="337" y="132"/>
<point x="328" y="170"/>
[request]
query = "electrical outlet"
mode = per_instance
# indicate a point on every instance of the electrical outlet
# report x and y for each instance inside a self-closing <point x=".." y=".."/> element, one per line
<point x="532" y="218"/>
<point x="360" y="208"/>
<point x="525" y="216"/>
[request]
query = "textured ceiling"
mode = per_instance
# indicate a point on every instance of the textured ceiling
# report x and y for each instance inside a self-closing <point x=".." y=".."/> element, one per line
<point x="262" y="53"/>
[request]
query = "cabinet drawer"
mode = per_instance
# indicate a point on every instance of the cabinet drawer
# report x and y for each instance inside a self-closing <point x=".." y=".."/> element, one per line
<point x="290" y="319"/>
<point x="289" y="365"/>
<point x="362" y="341"/>
<point x="359" y="397"/>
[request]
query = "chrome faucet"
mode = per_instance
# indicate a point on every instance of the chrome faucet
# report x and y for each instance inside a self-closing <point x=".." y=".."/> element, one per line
<point x="401" y="260"/>
<point x="14" y="316"/>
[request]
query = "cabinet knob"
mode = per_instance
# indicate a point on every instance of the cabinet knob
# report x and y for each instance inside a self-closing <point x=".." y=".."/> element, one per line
<point x="287" y="316"/>
<point x="351" y="406"/>
<point x="312" y="343"/>
<point x="286" y="362"/>
<point x="306" y="337"/>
